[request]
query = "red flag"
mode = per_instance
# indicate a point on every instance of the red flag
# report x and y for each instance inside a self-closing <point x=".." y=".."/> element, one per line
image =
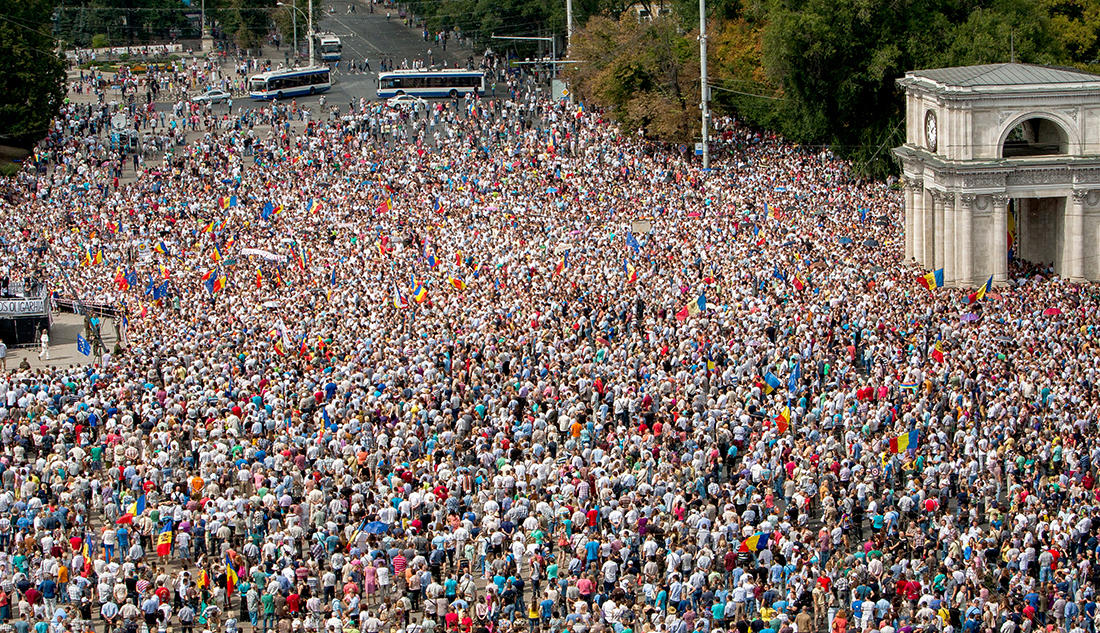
<point x="937" y="353"/>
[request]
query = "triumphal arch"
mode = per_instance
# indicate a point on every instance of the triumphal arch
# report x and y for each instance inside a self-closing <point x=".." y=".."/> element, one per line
<point x="1002" y="161"/>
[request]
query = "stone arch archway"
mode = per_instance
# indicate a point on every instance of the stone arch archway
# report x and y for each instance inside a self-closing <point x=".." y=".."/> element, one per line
<point x="1045" y="134"/>
<point x="1002" y="157"/>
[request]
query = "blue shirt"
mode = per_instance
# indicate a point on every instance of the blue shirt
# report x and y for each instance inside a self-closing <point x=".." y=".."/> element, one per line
<point x="592" y="548"/>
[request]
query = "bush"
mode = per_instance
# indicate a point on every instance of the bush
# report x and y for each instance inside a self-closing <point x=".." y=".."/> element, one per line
<point x="99" y="40"/>
<point x="8" y="168"/>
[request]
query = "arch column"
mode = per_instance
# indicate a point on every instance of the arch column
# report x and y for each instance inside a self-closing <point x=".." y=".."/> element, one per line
<point x="963" y="257"/>
<point x="1073" y="238"/>
<point x="938" y="235"/>
<point x="949" y="235"/>
<point x="909" y="213"/>
<point x="918" y="222"/>
<point x="999" y="240"/>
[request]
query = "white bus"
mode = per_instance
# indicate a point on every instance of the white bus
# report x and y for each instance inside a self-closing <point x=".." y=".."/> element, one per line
<point x="431" y="83"/>
<point x="281" y="84"/>
<point x="329" y="46"/>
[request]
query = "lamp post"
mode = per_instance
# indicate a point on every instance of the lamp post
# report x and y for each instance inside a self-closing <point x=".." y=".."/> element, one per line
<point x="309" y="25"/>
<point x="704" y="97"/>
<point x="553" y="48"/>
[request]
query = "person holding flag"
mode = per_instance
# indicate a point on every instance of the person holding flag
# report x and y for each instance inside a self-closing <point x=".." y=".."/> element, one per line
<point x="164" y="539"/>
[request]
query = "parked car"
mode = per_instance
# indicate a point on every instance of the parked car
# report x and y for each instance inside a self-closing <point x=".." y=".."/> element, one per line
<point x="217" y="95"/>
<point x="400" y="100"/>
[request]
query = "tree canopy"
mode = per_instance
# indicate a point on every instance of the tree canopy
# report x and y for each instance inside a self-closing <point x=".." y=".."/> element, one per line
<point x="32" y="86"/>
<point x="819" y="71"/>
<point x="122" y="22"/>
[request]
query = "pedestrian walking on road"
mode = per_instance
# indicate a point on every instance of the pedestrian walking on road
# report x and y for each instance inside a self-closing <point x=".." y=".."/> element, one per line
<point x="44" y="340"/>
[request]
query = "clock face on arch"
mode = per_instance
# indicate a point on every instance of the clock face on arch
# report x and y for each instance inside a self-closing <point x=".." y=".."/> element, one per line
<point x="931" y="134"/>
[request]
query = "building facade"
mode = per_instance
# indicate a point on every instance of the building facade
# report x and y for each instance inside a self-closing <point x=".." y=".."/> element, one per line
<point x="1002" y="161"/>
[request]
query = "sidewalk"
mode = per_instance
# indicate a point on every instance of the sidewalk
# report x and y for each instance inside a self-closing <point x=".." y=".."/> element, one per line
<point x="63" y="352"/>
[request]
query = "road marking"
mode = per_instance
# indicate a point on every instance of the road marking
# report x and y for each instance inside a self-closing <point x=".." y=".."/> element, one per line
<point x="351" y="30"/>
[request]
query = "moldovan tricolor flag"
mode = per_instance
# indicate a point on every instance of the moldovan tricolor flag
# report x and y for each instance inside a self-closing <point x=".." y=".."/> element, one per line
<point x="937" y="352"/>
<point x="932" y="280"/>
<point x="164" y="539"/>
<point x="755" y="543"/>
<point x="457" y="283"/>
<point x="419" y="292"/>
<point x="562" y="264"/>
<point x="693" y="308"/>
<point x="975" y="297"/>
<point x="783" y="420"/>
<point x="904" y="441"/>
<point x="230" y="575"/>
<point x="799" y="282"/>
<point x="631" y="272"/>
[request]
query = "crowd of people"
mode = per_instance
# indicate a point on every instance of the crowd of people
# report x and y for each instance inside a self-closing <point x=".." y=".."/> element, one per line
<point x="491" y="365"/>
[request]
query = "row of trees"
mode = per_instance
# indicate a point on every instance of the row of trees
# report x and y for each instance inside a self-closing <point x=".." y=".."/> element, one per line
<point x="33" y="32"/>
<point x="85" y="23"/>
<point x="32" y="86"/>
<point x="819" y="71"/>
<point x="246" y="23"/>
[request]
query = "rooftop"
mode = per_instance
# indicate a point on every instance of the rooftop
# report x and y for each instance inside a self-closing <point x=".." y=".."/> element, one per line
<point x="1008" y="74"/>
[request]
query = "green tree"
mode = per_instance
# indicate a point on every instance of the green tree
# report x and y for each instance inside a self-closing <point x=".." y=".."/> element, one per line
<point x="645" y="73"/>
<point x="1076" y="24"/>
<point x="837" y="61"/>
<point x="122" y="22"/>
<point x="32" y="85"/>
<point x="481" y="19"/>
<point x="247" y="22"/>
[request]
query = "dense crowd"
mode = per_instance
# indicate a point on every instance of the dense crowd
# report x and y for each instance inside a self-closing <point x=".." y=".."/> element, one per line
<point x="491" y="365"/>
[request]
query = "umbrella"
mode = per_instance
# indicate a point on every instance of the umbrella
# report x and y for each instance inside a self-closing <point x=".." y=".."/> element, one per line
<point x="845" y="241"/>
<point x="375" y="527"/>
<point x="883" y="221"/>
<point x="877" y="269"/>
<point x="969" y="316"/>
<point x="871" y="243"/>
<point x="1051" y="312"/>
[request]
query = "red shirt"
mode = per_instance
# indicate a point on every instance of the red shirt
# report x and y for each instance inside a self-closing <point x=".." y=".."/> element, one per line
<point x="912" y="590"/>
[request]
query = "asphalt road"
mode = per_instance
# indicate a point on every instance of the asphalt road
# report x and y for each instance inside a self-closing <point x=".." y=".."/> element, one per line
<point x="366" y="36"/>
<point x="372" y="36"/>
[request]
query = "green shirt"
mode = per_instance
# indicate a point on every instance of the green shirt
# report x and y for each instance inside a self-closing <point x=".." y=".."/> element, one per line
<point x="268" y="601"/>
